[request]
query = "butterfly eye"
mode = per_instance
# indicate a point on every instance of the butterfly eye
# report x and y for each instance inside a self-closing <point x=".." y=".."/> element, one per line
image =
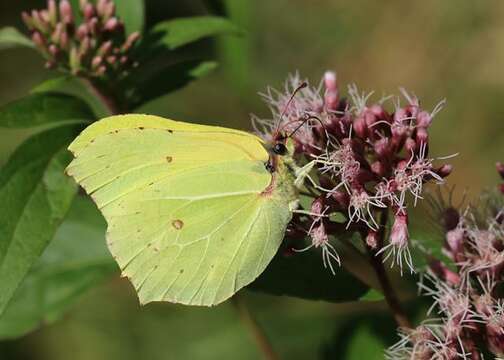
<point x="280" y="149"/>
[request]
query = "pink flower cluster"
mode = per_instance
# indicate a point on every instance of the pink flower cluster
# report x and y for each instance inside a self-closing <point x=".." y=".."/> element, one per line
<point x="97" y="47"/>
<point x="365" y="159"/>
<point x="467" y="292"/>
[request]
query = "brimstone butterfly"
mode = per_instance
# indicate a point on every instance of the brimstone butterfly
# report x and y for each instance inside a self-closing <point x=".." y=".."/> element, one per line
<point x="194" y="212"/>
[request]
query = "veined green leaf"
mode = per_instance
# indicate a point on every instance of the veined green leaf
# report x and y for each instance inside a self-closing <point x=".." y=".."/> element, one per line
<point x="132" y="13"/>
<point x="70" y="85"/>
<point x="35" y="195"/>
<point x="10" y="37"/>
<point x="44" y="109"/>
<point x="178" y="32"/>
<point x="303" y="275"/>
<point x="169" y="79"/>
<point x="76" y="260"/>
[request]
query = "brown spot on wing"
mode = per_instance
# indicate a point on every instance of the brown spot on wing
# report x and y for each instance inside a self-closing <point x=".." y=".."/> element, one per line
<point x="178" y="224"/>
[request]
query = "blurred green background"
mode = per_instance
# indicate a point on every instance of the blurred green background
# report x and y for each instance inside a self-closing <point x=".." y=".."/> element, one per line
<point x="437" y="49"/>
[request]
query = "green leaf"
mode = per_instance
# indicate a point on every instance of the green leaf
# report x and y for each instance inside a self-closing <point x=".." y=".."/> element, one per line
<point x="169" y="79"/>
<point x="10" y="37"/>
<point x="182" y="31"/>
<point x="76" y="260"/>
<point x="44" y="109"/>
<point x="303" y="275"/>
<point x="132" y="13"/>
<point x="372" y="295"/>
<point x="35" y="195"/>
<point x="365" y="345"/>
<point x="70" y="85"/>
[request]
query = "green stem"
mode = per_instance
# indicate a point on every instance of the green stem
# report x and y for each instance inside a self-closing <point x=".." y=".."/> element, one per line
<point x="108" y="101"/>
<point x="254" y="328"/>
<point x="387" y="289"/>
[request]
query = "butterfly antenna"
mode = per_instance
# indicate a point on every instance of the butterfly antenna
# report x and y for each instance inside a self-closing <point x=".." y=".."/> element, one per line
<point x="305" y="120"/>
<point x="301" y="86"/>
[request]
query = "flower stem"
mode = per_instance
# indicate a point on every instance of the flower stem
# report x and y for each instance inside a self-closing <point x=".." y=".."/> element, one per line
<point x="254" y="328"/>
<point x="109" y="102"/>
<point x="387" y="289"/>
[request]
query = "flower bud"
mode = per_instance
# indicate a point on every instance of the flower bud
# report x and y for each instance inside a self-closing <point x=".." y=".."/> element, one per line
<point x="101" y="6"/>
<point x="83" y="4"/>
<point x="82" y="31"/>
<point x="422" y="136"/>
<point x="399" y="234"/>
<point x="93" y="25"/>
<point x="424" y="119"/>
<point x="372" y="239"/>
<point x="331" y="97"/>
<point x="410" y="145"/>
<point x="64" y="40"/>
<point x="130" y="41"/>
<point x="56" y="34"/>
<point x="109" y="11"/>
<point x="53" y="12"/>
<point x="39" y="40"/>
<point x="378" y="168"/>
<point x="39" y="23"/>
<point x="112" y="59"/>
<point x="96" y="62"/>
<point x="455" y="243"/>
<point x="111" y="24"/>
<point x="500" y="169"/>
<point x="66" y="11"/>
<point x="381" y="147"/>
<point x="74" y="60"/>
<point x="444" y="170"/>
<point x="105" y="48"/>
<point x="53" y="50"/>
<point x="101" y="70"/>
<point x="360" y="127"/>
<point x="88" y="11"/>
<point x="27" y="20"/>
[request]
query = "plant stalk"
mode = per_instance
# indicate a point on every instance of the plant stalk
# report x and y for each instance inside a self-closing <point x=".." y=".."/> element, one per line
<point x="109" y="102"/>
<point x="254" y="328"/>
<point x="388" y="291"/>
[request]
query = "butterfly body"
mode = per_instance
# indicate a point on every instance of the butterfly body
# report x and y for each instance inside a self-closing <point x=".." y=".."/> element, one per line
<point x="193" y="212"/>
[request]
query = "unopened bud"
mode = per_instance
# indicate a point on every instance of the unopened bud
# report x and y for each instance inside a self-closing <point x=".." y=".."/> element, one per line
<point x="444" y="170"/>
<point x="39" y="23"/>
<point x="56" y="35"/>
<point x="455" y="243"/>
<point x="399" y="234"/>
<point x="64" y="40"/>
<point x="44" y="15"/>
<point x="83" y="4"/>
<point x="74" y="60"/>
<point x="53" y="11"/>
<point x="381" y="147"/>
<point x="105" y="48"/>
<point x="378" y="168"/>
<point x="112" y="59"/>
<point x="101" y="6"/>
<point x="53" y="50"/>
<point x="360" y="127"/>
<point x="109" y="11"/>
<point x="101" y="70"/>
<point x="130" y="41"/>
<point x="331" y="97"/>
<point x="500" y="169"/>
<point x="82" y="31"/>
<point x="84" y="47"/>
<point x="88" y="11"/>
<point x="39" y="40"/>
<point x="96" y="62"/>
<point x="111" y="24"/>
<point x="27" y="19"/>
<point x="66" y="11"/>
<point x="422" y="136"/>
<point x="410" y="145"/>
<point x="123" y="60"/>
<point x="424" y="119"/>
<point x="93" y="25"/>
<point x="49" y="64"/>
<point x="372" y="239"/>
